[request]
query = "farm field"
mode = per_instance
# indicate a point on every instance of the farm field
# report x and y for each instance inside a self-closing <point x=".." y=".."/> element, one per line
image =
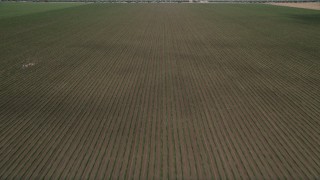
<point x="160" y="91"/>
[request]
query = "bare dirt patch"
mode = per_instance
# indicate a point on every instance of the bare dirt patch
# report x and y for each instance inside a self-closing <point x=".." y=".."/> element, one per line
<point x="308" y="5"/>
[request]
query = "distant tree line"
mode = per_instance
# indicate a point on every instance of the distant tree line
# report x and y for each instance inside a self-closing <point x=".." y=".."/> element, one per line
<point x="164" y="1"/>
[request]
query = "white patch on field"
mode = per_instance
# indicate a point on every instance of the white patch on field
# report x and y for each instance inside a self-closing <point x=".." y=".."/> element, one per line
<point x="28" y="65"/>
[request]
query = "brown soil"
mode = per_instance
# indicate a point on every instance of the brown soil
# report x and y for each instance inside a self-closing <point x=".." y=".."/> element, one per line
<point x="307" y="5"/>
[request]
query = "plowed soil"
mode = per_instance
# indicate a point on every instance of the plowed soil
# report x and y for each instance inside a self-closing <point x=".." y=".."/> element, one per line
<point x="306" y="5"/>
